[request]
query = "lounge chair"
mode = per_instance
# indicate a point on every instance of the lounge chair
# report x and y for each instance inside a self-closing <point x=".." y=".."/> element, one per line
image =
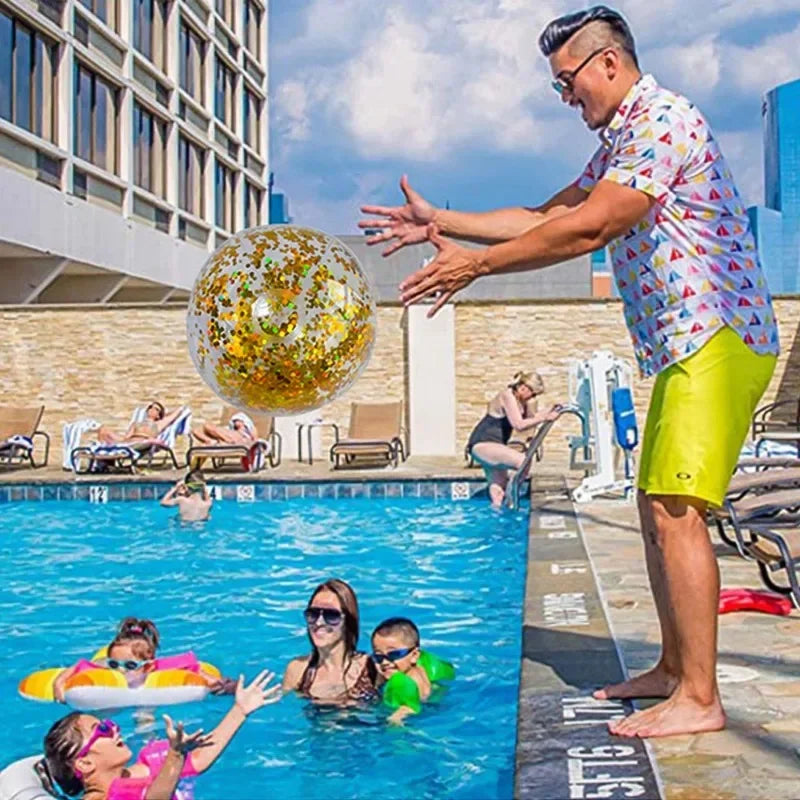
<point x="19" y="427"/>
<point x="374" y="434"/>
<point x="248" y="457"/>
<point x="125" y="456"/>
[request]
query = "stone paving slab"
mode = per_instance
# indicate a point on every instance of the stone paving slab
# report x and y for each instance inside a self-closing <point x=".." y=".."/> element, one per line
<point x="758" y="755"/>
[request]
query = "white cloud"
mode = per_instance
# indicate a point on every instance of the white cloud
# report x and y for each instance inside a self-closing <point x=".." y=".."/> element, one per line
<point x="744" y="153"/>
<point x="693" y="69"/>
<point x="770" y="62"/>
<point x="290" y="112"/>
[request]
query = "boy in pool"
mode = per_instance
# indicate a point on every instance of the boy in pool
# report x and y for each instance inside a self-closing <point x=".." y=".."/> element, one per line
<point x="191" y="496"/>
<point x="395" y="650"/>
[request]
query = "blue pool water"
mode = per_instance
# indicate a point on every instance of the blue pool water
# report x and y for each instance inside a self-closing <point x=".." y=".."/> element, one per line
<point x="234" y="589"/>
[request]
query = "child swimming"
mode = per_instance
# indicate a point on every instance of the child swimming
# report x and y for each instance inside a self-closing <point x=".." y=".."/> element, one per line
<point x="395" y="650"/>
<point x="86" y="756"/>
<point x="191" y="496"/>
<point x="133" y="652"/>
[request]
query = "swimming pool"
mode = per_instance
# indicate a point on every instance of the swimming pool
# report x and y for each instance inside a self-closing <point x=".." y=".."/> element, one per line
<point x="234" y="589"/>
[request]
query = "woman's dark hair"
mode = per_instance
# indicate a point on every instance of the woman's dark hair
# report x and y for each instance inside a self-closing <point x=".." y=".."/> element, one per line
<point x="560" y="30"/>
<point x="161" y="410"/>
<point x="347" y="600"/>
<point x="61" y="744"/>
<point x="132" y="629"/>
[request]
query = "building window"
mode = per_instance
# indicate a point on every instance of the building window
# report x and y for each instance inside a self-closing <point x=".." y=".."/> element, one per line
<point x="191" y="163"/>
<point x="95" y="119"/>
<point x="106" y="10"/>
<point x="252" y="120"/>
<point x="225" y="10"/>
<point x="149" y="26"/>
<point x="149" y="151"/>
<point x="252" y="28"/>
<point x="27" y="78"/>
<point x="224" y="93"/>
<point x="225" y="198"/>
<point x="192" y="55"/>
<point x="252" y="205"/>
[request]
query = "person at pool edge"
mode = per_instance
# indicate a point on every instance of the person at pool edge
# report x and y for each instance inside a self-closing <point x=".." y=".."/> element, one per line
<point x="508" y="410"/>
<point x="658" y="192"/>
<point x="191" y="496"/>
<point x="86" y="756"/>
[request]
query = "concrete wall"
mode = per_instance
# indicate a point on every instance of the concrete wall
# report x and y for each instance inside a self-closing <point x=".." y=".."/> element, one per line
<point x="101" y="362"/>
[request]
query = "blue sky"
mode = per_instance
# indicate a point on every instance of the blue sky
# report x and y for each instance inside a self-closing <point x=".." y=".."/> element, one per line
<point x="456" y="94"/>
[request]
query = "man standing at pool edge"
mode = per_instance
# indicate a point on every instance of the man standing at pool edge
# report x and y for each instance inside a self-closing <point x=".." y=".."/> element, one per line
<point x="659" y="192"/>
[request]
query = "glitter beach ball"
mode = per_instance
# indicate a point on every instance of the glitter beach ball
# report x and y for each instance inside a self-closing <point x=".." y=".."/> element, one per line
<point x="281" y="320"/>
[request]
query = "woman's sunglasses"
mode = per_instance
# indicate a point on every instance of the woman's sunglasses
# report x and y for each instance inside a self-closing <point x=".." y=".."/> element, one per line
<point x="106" y="729"/>
<point x="127" y="666"/>
<point x="330" y="616"/>
<point x="392" y="655"/>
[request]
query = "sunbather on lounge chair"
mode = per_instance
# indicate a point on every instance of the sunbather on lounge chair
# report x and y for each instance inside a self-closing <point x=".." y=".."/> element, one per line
<point x="239" y="431"/>
<point x="144" y="432"/>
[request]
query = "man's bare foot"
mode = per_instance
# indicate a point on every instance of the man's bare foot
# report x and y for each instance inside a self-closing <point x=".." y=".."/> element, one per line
<point x="677" y="715"/>
<point x="656" y="682"/>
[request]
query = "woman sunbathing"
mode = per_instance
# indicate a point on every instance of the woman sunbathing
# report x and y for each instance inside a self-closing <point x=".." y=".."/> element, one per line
<point x="239" y="431"/>
<point x="144" y="432"/>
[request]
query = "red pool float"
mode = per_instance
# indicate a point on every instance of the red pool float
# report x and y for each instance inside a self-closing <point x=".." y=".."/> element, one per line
<point x="752" y="600"/>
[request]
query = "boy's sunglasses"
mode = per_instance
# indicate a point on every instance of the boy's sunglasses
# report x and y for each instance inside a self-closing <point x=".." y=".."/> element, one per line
<point x="392" y="655"/>
<point x="127" y="666"/>
<point x="330" y="616"/>
<point x="106" y="729"/>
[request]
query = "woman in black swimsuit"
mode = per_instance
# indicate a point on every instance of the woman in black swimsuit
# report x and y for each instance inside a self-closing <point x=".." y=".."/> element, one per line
<point x="488" y="442"/>
<point x="335" y="673"/>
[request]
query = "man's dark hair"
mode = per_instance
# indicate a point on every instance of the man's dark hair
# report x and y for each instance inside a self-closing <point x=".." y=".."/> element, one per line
<point x="560" y="30"/>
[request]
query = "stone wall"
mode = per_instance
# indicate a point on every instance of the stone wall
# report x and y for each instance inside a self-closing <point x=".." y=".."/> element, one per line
<point x="102" y="362"/>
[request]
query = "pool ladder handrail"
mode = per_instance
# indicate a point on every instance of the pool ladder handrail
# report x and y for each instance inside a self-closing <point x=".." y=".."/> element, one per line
<point x="512" y="492"/>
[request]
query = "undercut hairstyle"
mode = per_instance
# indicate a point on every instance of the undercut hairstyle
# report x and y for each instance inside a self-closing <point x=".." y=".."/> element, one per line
<point x="603" y="26"/>
<point x="398" y="626"/>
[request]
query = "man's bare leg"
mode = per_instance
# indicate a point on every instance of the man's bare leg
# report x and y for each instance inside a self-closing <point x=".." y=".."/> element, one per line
<point x="662" y="679"/>
<point x="691" y="580"/>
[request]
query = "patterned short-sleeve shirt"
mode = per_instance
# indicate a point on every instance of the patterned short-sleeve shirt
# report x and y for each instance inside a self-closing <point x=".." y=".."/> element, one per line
<point x="691" y="266"/>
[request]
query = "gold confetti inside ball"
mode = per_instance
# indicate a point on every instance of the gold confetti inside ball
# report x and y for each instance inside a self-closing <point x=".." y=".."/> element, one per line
<point x="281" y="320"/>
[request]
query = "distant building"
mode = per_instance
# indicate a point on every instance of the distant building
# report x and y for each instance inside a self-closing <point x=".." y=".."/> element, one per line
<point x="279" y="209"/>
<point x="781" y="113"/>
<point x="767" y="226"/>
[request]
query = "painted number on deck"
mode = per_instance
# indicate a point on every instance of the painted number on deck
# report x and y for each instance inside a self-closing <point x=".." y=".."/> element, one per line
<point x="565" y="610"/>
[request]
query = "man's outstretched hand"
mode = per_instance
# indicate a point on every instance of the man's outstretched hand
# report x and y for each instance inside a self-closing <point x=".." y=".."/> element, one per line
<point x="453" y="268"/>
<point x="407" y="224"/>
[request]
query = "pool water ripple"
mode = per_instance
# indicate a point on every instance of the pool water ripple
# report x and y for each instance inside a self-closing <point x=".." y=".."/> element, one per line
<point x="234" y="590"/>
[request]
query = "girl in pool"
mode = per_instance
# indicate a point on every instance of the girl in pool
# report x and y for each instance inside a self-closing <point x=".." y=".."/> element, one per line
<point x="335" y="673"/>
<point x="133" y="652"/>
<point x="88" y="755"/>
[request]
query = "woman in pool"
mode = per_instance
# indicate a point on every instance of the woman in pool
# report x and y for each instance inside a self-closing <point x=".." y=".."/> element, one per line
<point x="133" y="652"/>
<point x="335" y="672"/>
<point x="145" y="432"/>
<point x="85" y="754"/>
<point x="508" y="410"/>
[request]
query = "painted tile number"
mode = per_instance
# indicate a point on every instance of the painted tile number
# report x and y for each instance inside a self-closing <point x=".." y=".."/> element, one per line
<point x="592" y="772"/>
<point x="98" y="494"/>
<point x="565" y="610"/>
<point x="246" y="493"/>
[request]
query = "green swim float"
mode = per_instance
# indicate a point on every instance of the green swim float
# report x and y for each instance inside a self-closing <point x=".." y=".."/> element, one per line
<point x="402" y="690"/>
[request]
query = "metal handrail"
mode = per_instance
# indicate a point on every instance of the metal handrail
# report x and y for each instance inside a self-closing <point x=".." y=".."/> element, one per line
<point x="512" y="492"/>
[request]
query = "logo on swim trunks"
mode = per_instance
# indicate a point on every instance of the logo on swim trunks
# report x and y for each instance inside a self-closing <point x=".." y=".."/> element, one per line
<point x="684" y="476"/>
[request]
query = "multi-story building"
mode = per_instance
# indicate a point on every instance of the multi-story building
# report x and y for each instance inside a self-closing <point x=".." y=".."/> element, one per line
<point x="133" y="141"/>
<point x="781" y="111"/>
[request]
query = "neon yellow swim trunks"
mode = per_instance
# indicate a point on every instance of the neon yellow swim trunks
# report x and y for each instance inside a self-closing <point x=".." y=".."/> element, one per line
<point x="699" y="416"/>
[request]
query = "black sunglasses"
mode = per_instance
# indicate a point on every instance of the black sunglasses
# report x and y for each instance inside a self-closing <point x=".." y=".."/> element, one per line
<point x="565" y="80"/>
<point x="128" y="666"/>
<point x="392" y="655"/>
<point x="330" y="616"/>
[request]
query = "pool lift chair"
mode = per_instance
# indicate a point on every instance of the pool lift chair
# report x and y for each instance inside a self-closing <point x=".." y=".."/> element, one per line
<point x="600" y="396"/>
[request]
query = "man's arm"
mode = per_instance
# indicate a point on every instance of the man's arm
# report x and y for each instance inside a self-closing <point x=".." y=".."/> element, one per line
<point x="609" y="211"/>
<point x="506" y="223"/>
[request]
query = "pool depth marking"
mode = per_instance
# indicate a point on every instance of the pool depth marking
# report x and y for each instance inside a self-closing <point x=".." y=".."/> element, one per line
<point x="564" y="749"/>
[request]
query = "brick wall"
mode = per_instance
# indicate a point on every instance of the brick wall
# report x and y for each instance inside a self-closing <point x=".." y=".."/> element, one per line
<point x="103" y="362"/>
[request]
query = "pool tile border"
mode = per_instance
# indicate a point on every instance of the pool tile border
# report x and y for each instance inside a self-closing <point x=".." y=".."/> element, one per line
<point x="232" y="491"/>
